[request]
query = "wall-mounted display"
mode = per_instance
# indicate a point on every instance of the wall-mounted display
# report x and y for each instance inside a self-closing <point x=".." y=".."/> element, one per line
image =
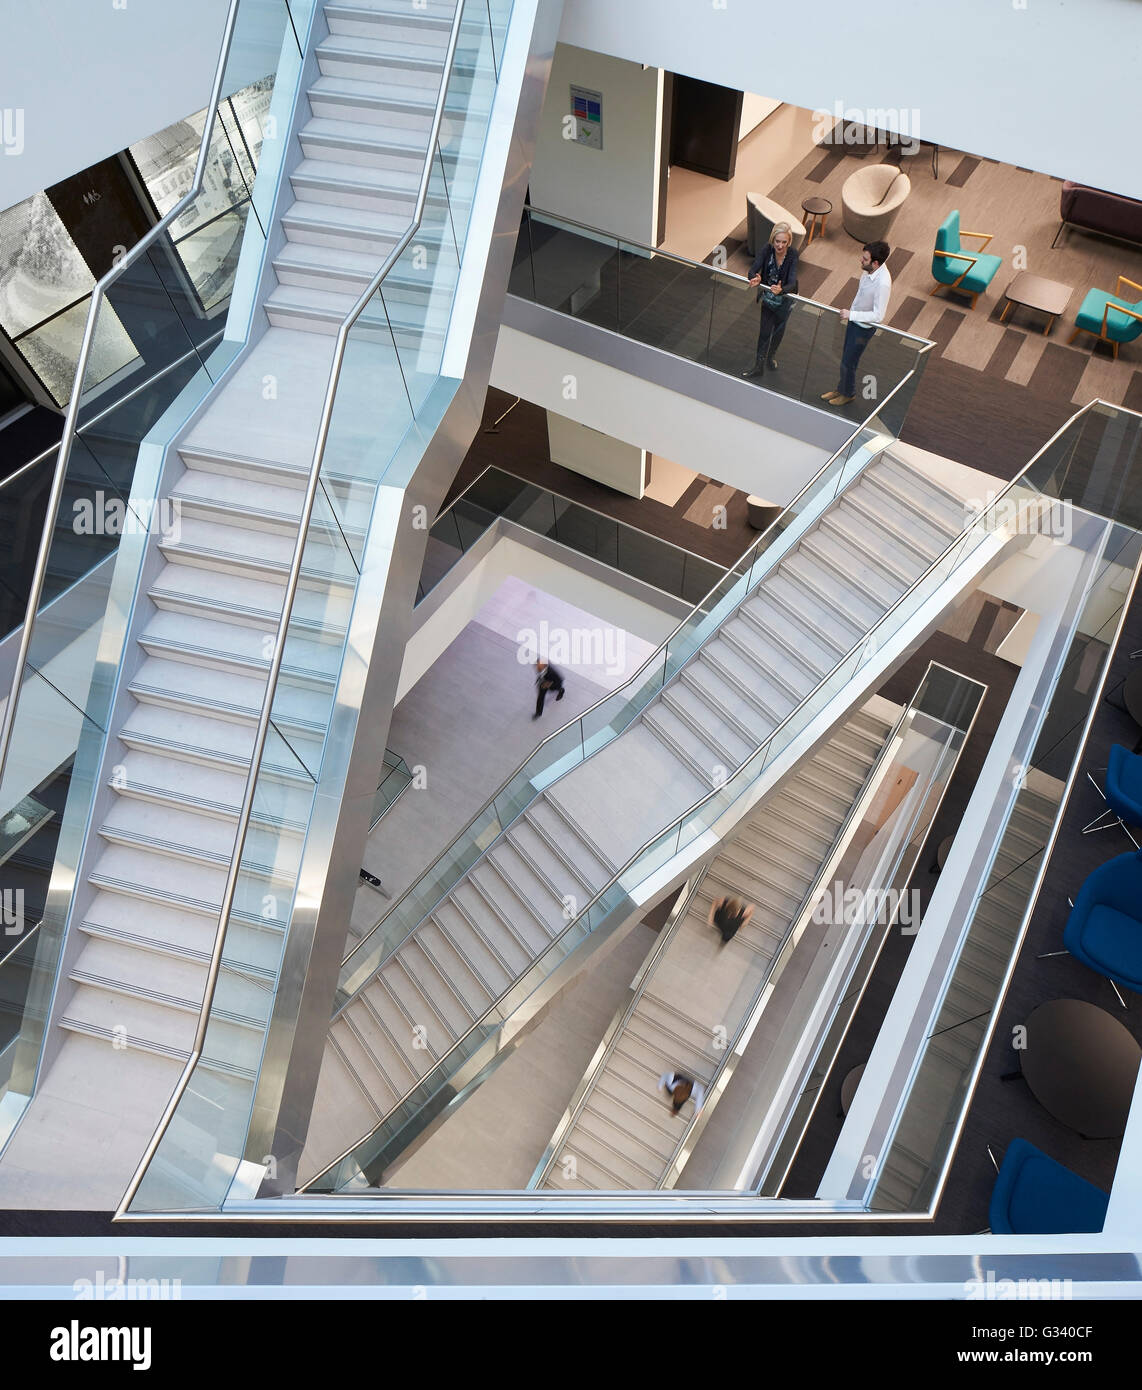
<point x="587" y="109"/>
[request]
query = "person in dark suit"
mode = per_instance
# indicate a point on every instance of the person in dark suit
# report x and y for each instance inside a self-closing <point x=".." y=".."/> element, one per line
<point x="728" y="915"/>
<point x="546" y="678"/>
<point x="774" y="275"/>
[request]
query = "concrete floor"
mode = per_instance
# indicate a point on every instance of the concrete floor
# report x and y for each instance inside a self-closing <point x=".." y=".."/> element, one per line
<point x="478" y="686"/>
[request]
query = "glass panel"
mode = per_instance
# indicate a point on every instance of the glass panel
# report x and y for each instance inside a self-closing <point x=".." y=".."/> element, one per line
<point x="418" y="291"/>
<point x="573" y="271"/>
<point x="665" y="303"/>
<point x="210" y="255"/>
<point x="53" y="350"/>
<point x="41" y="270"/>
<point x="467" y="107"/>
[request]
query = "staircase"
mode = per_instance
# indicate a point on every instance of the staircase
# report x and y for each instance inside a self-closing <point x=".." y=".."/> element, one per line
<point x="696" y="994"/>
<point x="214" y="598"/>
<point x="973" y="993"/>
<point x="844" y="573"/>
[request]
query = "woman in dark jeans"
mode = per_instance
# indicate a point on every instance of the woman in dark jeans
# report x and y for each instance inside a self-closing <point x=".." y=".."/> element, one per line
<point x="774" y="274"/>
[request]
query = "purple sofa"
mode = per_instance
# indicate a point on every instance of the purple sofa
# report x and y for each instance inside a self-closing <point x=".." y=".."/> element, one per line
<point x="1099" y="211"/>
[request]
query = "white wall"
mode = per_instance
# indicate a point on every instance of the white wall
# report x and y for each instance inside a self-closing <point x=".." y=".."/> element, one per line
<point x="754" y="111"/>
<point x="1005" y="82"/>
<point x="699" y="437"/>
<point x="596" y="455"/>
<point x="91" y="78"/>
<point x="615" y="188"/>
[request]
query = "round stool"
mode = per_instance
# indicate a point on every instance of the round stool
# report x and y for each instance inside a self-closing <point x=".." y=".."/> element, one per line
<point x="816" y="212"/>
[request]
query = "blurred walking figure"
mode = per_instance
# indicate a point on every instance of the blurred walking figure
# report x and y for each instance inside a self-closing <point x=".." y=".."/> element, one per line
<point x="680" y="1089"/>
<point x="546" y="678"/>
<point x="774" y="276"/>
<point x="728" y="914"/>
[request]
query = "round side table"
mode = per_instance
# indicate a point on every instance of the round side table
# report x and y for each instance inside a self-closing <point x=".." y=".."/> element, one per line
<point x="816" y="212"/>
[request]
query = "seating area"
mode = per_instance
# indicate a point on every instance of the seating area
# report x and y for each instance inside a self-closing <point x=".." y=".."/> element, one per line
<point x="980" y="266"/>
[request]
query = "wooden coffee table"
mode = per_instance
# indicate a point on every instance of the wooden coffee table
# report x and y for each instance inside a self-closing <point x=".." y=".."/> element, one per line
<point x="1034" y="292"/>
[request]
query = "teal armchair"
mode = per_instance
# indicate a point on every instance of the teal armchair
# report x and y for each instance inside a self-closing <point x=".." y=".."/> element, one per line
<point x="953" y="268"/>
<point x="1110" y="318"/>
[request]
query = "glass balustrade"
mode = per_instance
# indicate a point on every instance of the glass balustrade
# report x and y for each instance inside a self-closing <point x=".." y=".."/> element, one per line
<point x="496" y="494"/>
<point x="702" y="312"/>
<point x="111" y="458"/>
<point x="389" y="371"/>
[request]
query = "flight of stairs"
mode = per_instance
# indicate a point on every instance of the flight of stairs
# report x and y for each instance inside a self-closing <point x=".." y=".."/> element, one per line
<point x="972" y="996"/>
<point x="840" y="578"/>
<point x="205" y="642"/>
<point x="698" y="992"/>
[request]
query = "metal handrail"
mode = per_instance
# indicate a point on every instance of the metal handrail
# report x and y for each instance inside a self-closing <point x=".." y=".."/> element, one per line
<point x="291" y="588"/>
<point x="654" y="656"/>
<point x="55" y="497"/>
<point x="957" y="540"/>
<point x="620" y="242"/>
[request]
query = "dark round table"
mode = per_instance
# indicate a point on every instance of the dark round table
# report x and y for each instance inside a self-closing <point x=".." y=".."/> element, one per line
<point x="1080" y="1064"/>
<point x="1132" y="696"/>
<point x="816" y="211"/>
<point x="849" y="1086"/>
<point x="943" y="849"/>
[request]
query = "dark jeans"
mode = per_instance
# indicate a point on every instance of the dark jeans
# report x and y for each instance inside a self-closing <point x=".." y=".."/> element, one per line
<point x="542" y="695"/>
<point x="857" y="338"/>
<point x="771" y="332"/>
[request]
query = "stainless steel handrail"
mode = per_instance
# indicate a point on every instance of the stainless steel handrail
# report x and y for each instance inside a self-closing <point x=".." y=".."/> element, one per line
<point x="654" y="657"/>
<point x="55" y="497"/>
<point x="658" y="251"/>
<point x="959" y="539"/>
<point x="291" y="587"/>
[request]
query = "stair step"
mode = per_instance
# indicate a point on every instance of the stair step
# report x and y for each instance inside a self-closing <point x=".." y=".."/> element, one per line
<point x="253" y="603"/>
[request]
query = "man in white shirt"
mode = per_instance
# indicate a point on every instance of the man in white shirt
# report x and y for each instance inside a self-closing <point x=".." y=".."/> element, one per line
<point x="869" y="307"/>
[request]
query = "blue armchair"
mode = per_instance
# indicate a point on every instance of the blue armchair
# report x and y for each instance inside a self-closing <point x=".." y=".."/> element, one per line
<point x="953" y="268"/>
<point x="1104" y="929"/>
<point x="1111" y="318"/>
<point x="1123" y="792"/>
<point x="1034" y="1195"/>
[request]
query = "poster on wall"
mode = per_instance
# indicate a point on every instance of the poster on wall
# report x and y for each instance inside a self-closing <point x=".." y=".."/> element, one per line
<point x="587" y="109"/>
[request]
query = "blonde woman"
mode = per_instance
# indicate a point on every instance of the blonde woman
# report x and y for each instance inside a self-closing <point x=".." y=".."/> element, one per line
<point x="774" y="276"/>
